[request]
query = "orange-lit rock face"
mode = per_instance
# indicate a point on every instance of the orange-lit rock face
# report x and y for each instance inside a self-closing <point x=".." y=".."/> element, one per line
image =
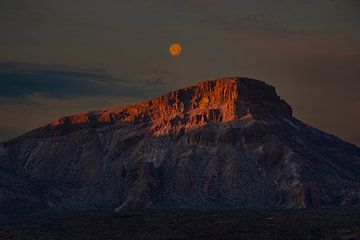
<point x="229" y="141"/>
<point x="83" y="118"/>
<point x="206" y="103"/>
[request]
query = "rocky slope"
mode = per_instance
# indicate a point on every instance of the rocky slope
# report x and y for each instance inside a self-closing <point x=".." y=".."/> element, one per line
<point x="225" y="143"/>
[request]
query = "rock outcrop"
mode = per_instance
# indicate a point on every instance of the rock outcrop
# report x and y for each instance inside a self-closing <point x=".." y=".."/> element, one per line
<point x="225" y="143"/>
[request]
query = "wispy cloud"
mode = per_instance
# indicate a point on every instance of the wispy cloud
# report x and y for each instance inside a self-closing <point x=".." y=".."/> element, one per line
<point x="253" y="23"/>
<point x="22" y="80"/>
<point x="153" y="82"/>
<point x="258" y="24"/>
<point x="348" y="3"/>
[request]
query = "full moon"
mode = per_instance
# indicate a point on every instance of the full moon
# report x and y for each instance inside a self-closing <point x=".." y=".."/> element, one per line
<point x="175" y="49"/>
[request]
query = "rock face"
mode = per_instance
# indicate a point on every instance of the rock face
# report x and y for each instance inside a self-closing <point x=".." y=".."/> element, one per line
<point x="225" y="143"/>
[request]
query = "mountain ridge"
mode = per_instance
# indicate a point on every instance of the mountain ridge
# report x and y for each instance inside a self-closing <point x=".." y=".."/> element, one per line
<point x="210" y="101"/>
<point x="226" y="142"/>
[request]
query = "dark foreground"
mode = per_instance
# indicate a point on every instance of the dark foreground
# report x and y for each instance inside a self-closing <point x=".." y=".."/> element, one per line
<point x="336" y="223"/>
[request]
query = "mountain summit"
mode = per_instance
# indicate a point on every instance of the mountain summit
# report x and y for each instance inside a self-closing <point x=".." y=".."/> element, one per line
<point x="231" y="142"/>
<point x="205" y="103"/>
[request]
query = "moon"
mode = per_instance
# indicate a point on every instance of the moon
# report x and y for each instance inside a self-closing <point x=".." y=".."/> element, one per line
<point x="175" y="49"/>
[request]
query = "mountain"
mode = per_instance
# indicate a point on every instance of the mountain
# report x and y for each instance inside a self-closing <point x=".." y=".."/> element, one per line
<point x="231" y="142"/>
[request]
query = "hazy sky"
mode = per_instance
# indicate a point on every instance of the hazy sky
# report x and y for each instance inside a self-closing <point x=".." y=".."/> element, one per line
<point x="64" y="57"/>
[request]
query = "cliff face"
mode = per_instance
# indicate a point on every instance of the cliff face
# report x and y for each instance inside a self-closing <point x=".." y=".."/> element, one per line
<point x="208" y="102"/>
<point x="229" y="142"/>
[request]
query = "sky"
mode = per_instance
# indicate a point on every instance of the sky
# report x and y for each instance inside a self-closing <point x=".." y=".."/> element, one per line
<point x="63" y="57"/>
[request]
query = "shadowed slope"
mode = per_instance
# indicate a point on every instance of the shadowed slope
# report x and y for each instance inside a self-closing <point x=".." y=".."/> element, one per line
<point x="228" y="142"/>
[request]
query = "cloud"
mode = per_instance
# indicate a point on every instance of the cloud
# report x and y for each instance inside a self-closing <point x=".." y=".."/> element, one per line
<point x="254" y="23"/>
<point x="347" y="3"/>
<point x="258" y="24"/>
<point x="153" y="82"/>
<point x="22" y="80"/>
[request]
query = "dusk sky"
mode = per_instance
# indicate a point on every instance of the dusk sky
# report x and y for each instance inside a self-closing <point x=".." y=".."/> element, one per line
<point x="64" y="57"/>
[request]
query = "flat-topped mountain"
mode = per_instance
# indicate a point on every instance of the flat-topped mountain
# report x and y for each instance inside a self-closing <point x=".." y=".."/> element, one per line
<point x="230" y="142"/>
<point x="208" y="102"/>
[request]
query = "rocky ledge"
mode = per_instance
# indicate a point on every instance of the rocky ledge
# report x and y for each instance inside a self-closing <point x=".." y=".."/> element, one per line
<point x="231" y="142"/>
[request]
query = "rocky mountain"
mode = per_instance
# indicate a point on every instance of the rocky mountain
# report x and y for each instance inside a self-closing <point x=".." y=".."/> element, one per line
<point x="230" y="142"/>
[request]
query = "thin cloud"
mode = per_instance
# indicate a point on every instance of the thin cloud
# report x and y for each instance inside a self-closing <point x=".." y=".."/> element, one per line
<point x="22" y="80"/>
<point x="254" y="24"/>
<point x="154" y="82"/>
